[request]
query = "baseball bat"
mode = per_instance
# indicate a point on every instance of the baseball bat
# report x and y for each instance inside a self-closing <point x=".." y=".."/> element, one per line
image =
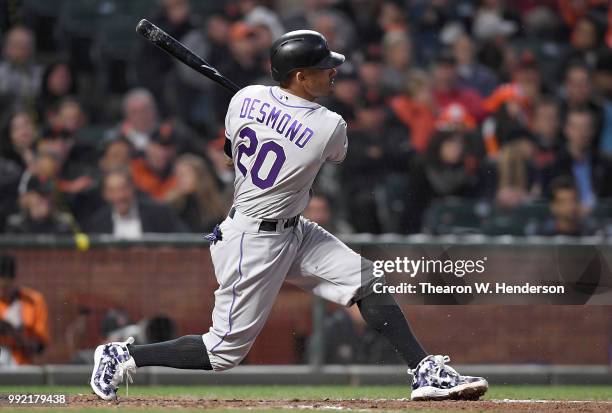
<point x="178" y="50"/>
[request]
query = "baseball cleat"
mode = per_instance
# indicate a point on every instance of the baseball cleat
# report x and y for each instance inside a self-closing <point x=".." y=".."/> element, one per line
<point x="112" y="362"/>
<point x="434" y="380"/>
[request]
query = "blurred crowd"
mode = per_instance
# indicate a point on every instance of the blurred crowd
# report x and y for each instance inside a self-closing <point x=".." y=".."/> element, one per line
<point x="487" y="116"/>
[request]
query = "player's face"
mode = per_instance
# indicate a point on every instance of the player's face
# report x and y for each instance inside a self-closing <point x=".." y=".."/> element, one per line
<point x="318" y="82"/>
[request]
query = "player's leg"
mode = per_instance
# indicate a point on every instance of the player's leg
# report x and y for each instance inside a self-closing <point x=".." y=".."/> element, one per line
<point x="250" y="268"/>
<point x="113" y="360"/>
<point x="187" y="352"/>
<point x="328" y="268"/>
<point x="382" y="314"/>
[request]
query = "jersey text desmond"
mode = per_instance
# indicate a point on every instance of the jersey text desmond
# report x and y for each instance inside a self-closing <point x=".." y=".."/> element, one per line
<point x="277" y="120"/>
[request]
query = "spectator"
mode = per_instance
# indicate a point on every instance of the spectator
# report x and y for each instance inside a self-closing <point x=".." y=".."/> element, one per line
<point x="256" y="14"/>
<point x="380" y="151"/>
<point x="24" y="325"/>
<point x="415" y="108"/>
<point x="493" y="31"/>
<point x="140" y="118"/>
<point x="471" y="73"/>
<point x="68" y="118"/>
<point x="196" y="197"/>
<point x="72" y="163"/>
<point x="370" y="75"/>
<point x="523" y="91"/>
<point x="48" y="160"/>
<point x="178" y="20"/>
<point x="565" y="210"/>
<point x="39" y="213"/>
<point x="58" y="82"/>
<point x="545" y="128"/>
<point x="152" y="173"/>
<point x="446" y="89"/>
<point x="585" y="40"/>
<point x="127" y="216"/>
<point x="18" y="137"/>
<point x="319" y="210"/>
<point x="446" y="171"/>
<point x="590" y="172"/>
<point x="336" y="27"/>
<point x="20" y="77"/>
<point x="242" y="64"/>
<point x="518" y="179"/>
<point x="117" y="154"/>
<point x="397" y="52"/>
<point x="391" y="17"/>
<point x="578" y="93"/>
<point x="511" y="105"/>
<point x="494" y="19"/>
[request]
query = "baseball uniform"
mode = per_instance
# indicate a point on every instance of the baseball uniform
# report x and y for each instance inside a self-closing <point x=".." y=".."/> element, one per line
<point x="279" y="142"/>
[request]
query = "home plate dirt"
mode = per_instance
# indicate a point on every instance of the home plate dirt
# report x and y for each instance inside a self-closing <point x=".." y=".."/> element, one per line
<point x="498" y="406"/>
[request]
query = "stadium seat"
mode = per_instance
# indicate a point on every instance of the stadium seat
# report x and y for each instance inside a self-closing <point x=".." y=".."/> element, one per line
<point x="515" y="221"/>
<point x="455" y="216"/>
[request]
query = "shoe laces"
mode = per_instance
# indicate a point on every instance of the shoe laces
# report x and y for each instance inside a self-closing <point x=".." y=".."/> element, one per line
<point x="443" y="368"/>
<point x="124" y="370"/>
<point x="437" y="374"/>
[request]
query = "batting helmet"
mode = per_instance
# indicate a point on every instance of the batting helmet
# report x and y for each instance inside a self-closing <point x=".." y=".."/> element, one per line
<point x="301" y="49"/>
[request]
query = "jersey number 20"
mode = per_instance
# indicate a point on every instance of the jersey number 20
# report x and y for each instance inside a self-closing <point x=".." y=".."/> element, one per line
<point x="265" y="149"/>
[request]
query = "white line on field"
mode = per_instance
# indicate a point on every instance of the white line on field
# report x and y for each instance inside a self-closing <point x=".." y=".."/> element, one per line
<point x="549" y="401"/>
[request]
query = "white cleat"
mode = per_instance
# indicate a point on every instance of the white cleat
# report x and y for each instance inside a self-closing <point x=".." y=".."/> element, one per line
<point x="112" y="362"/>
<point x="434" y="380"/>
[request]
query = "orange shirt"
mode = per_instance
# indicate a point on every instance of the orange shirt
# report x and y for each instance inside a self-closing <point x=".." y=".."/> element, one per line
<point x="35" y="321"/>
<point x="418" y="117"/>
<point x="505" y="93"/>
<point x="147" y="181"/>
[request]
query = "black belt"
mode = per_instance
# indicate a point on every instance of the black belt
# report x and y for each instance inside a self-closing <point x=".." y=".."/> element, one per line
<point x="270" y="225"/>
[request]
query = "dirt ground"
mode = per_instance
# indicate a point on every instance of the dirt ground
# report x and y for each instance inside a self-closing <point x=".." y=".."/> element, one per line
<point x="498" y="406"/>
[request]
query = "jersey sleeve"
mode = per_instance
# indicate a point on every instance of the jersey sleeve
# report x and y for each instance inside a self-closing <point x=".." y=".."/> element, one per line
<point x="336" y="148"/>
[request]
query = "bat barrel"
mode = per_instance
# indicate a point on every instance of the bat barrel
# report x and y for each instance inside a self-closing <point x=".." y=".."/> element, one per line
<point x="144" y="28"/>
<point x="176" y="49"/>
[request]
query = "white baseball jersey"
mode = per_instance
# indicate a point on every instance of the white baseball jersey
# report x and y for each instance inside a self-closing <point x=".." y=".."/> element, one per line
<point x="279" y="142"/>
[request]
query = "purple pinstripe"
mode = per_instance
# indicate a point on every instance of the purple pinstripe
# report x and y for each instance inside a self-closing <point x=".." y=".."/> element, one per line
<point x="233" y="297"/>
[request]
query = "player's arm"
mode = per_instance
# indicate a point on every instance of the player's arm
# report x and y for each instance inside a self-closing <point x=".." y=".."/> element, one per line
<point x="337" y="146"/>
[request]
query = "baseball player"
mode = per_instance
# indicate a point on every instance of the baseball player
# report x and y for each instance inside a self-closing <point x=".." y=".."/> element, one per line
<point x="278" y="139"/>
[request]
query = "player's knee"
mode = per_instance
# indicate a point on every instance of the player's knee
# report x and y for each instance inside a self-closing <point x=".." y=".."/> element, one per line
<point x="223" y="363"/>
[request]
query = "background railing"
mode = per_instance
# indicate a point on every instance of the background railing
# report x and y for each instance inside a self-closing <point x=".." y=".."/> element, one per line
<point x="172" y="275"/>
